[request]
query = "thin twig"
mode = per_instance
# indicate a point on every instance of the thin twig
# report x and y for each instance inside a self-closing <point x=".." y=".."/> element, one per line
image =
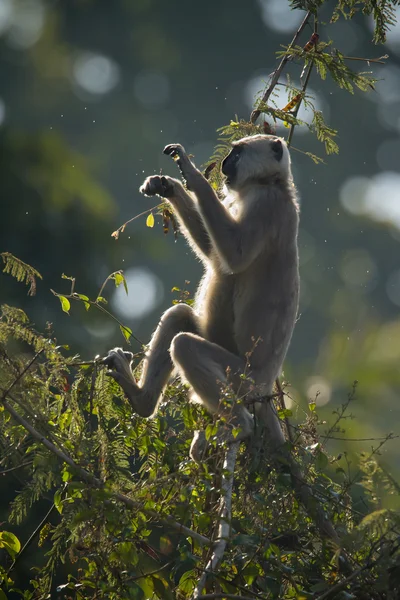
<point x="20" y="375"/>
<point x="121" y="229"/>
<point x="92" y="480"/>
<point x="21" y="466"/>
<point x="346" y="439"/>
<point x="150" y="573"/>
<point x="224" y="595"/>
<point x="379" y="61"/>
<point x="303" y="89"/>
<point x="31" y="538"/>
<point x="277" y="73"/>
<point x="296" y="111"/>
<point x="281" y="397"/>
<point x="225" y="518"/>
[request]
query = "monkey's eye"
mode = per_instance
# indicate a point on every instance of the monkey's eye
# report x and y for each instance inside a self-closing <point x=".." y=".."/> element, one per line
<point x="235" y="153"/>
<point x="277" y="149"/>
<point x="228" y="166"/>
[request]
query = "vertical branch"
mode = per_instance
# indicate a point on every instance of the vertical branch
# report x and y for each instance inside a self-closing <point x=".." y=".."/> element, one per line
<point x="303" y="89"/>
<point x="277" y="73"/>
<point x="225" y="517"/>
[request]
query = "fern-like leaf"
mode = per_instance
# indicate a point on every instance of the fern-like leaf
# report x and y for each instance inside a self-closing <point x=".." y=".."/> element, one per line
<point x="21" y="271"/>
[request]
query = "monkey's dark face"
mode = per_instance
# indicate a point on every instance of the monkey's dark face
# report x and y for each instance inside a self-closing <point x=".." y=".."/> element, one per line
<point x="256" y="159"/>
<point x="229" y="164"/>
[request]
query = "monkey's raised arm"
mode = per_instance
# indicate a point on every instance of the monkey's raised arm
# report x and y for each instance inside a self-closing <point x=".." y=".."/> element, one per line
<point x="187" y="213"/>
<point x="238" y="243"/>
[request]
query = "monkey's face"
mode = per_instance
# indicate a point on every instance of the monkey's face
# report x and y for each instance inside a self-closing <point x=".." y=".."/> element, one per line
<point x="255" y="159"/>
<point x="230" y="163"/>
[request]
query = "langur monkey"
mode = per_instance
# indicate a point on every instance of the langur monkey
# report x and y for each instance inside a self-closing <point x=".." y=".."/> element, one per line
<point x="246" y="305"/>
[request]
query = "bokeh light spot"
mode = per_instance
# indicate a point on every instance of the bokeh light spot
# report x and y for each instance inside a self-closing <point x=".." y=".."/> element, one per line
<point x="377" y="197"/>
<point x="145" y="293"/>
<point x="27" y="23"/>
<point x="318" y="390"/>
<point x="95" y="73"/>
<point x="6" y="13"/>
<point x="278" y="15"/>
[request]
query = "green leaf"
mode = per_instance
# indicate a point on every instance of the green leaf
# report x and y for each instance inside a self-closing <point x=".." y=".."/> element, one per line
<point x="2" y="595"/>
<point x="65" y="304"/>
<point x="187" y="581"/>
<point x="211" y="430"/>
<point x="312" y="406"/>
<point x="285" y="413"/>
<point x="85" y="300"/>
<point x="321" y="461"/>
<point x="101" y="299"/>
<point x="10" y="542"/>
<point x="126" y="332"/>
<point x="150" y="220"/>
<point x="119" y="278"/>
<point x="58" y="501"/>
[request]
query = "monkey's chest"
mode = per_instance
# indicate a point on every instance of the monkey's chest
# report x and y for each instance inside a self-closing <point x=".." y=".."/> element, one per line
<point x="214" y="305"/>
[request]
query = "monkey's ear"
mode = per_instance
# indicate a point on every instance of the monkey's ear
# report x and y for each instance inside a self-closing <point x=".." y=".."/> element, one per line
<point x="277" y="149"/>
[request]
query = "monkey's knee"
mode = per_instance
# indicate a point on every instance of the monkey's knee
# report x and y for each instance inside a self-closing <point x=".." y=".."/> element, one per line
<point x="182" y="347"/>
<point x="180" y="317"/>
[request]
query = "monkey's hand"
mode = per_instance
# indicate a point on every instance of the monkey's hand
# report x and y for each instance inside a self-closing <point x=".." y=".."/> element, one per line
<point x="158" y="185"/>
<point x="186" y="167"/>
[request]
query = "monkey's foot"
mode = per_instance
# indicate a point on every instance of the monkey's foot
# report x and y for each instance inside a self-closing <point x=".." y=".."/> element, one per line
<point x="199" y="444"/>
<point x="158" y="185"/>
<point x="119" y="363"/>
<point x="119" y="368"/>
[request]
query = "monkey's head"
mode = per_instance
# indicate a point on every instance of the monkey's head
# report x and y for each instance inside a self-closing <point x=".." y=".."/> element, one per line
<point x="258" y="159"/>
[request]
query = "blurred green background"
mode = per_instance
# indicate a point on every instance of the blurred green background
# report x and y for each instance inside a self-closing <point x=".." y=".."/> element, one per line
<point x="91" y="92"/>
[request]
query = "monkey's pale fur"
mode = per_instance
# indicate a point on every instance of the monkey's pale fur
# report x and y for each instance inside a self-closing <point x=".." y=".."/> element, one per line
<point x="246" y="305"/>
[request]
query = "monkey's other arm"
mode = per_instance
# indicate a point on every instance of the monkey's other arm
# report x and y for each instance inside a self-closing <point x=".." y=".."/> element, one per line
<point x="237" y="243"/>
<point x="188" y="215"/>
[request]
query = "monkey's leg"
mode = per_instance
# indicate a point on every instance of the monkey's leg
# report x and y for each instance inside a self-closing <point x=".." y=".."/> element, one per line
<point x="207" y="367"/>
<point x="158" y="365"/>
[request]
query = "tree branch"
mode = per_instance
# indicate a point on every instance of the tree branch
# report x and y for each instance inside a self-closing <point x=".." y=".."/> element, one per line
<point x="92" y="480"/>
<point x="225" y="519"/>
<point x="277" y="73"/>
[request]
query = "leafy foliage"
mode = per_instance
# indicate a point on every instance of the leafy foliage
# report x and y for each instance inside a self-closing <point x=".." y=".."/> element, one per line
<point x="111" y="548"/>
<point x="131" y="516"/>
<point x="382" y="11"/>
<point x="21" y="271"/>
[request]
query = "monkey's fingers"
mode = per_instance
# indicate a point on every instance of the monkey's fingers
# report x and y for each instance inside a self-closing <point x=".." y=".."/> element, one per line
<point x="177" y="151"/>
<point x="157" y="185"/>
<point x="184" y="163"/>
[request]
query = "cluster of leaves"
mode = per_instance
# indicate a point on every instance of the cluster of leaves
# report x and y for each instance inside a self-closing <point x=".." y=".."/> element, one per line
<point x="333" y="63"/>
<point x="21" y="271"/>
<point x="100" y="545"/>
<point x="229" y="133"/>
<point x="382" y="11"/>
